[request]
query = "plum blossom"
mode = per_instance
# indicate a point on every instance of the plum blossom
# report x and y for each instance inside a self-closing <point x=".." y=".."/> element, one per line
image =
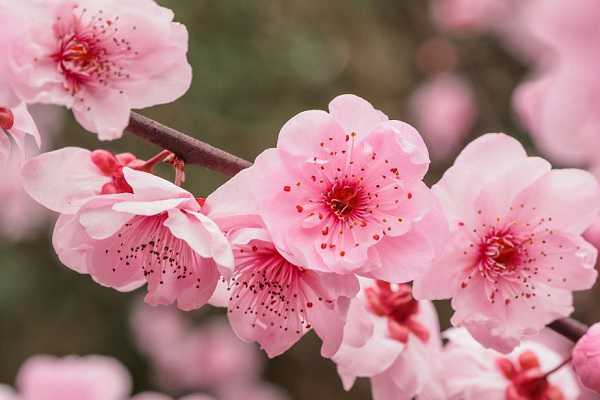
<point x="73" y="378"/>
<point x="158" y="234"/>
<point x="16" y="128"/>
<point x="101" y="59"/>
<point x="186" y="357"/>
<point x="586" y="358"/>
<point x="390" y="338"/>
<point x="274" y="298"/>
<point x="445" y="112"/>
<point x="82" y="174"/>
<point x="528" y="373"/>
<point x="516" y="252"/>
<point x="343" y="193"/>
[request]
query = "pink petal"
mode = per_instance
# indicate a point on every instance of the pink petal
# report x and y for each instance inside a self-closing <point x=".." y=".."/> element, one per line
<point x="79" y="180"/>
<point x="71" y="242"/>
<point x="355" y="114"/>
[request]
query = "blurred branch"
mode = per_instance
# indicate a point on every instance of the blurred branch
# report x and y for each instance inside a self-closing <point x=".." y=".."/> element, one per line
<point x="569" y="328"/>
<point x="194" y="151"/>
<point x="189" y="149"/>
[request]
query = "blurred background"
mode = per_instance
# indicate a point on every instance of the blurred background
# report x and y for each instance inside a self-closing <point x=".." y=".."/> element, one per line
<point x="256" y="64"/>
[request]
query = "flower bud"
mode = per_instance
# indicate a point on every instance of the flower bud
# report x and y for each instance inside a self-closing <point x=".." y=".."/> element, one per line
<point x="586" y="358"/>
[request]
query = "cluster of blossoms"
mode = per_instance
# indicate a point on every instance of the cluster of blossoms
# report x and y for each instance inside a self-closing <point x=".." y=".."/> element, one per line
<point x="324" y="232"/>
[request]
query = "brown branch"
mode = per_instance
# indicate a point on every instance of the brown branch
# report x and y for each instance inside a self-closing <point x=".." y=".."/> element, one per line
<point x="569" y="328"/>
<point x="194" y="151"/>
<point x="189" y="149"/>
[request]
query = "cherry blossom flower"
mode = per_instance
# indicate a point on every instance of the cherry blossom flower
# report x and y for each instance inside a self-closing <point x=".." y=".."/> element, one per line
<point x="186" y="357"/>
<point x="157" y="234"/>
<point x="343" y="193"/>
<point x="445" y="112"/>
<point x="471" y="372"/>
<point x="101" y="59"/>
<point x="83" y="175"/>
<point x="16" y="126"/>
<point x="73" y="378"/>
<point x="586" y="358"/>
<point x="274" y="298"/>
<point x="516" y="251"/>
<point x="390" y="338"/>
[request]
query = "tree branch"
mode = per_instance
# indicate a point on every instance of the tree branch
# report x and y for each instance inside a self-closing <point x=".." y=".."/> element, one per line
<point x="194" y="151"/>
<point x="189" y="149"/>
<point x="569" y="328"/>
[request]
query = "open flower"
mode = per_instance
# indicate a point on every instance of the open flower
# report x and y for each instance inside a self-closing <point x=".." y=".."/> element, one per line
<point x="468" y="371"/>
<point x="390" y="338"/>
<point x="586" y="358"/>
<point x="157" y="234"/>
<point x="343" y="192"/>
<point x="101" y="59"/>
<point x="274" y="298"/>
<point x="516" y="251"/>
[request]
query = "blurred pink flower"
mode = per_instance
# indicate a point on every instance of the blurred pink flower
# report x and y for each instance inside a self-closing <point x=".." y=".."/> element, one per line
<point x="16" y="127"/>
<point x="506" y="19"/>
<point x="183" y="357"/>
<point x="100" y="58"/>
<point x="73" y="378"/>
<point x="559" y="108"/>
<point x="586" y="358"/>
<point x="445" y="111"/>
<point x="343" y="193"/>
<point x="157" y="235"/>
<point x="516" y="252"/>
<point x="390" y="338"/>
<point x="254" y="391"/>
<point x="274" y="298"/>
<point x="471" y="372"/>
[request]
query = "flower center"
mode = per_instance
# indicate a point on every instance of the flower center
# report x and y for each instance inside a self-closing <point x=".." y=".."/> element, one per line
<point x="7" y="119"/>
<point x="500" y="253"/>
<point x="527" y="381"/>
<point x="91" y="49"/>
<point x="343" y="199"/>
<point x="399" y="307"/>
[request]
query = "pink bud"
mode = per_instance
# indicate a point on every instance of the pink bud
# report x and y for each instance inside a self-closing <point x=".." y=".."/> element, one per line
<point x="7" y="119"/>
<point x="586" y="358"/>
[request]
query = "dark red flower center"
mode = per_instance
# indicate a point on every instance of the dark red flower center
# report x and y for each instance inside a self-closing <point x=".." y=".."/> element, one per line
<point x="343" y="199"/>
<point x="500" y="252"/>
<point x="7" y="119"/>
<point x="527" y="381"/>
<point x="398" y="305"/>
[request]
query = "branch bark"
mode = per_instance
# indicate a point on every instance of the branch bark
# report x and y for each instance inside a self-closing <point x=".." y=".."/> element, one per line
<point x="188" y="148"/>
<point x="194" y="151"/>
<point x="569" y="328"/>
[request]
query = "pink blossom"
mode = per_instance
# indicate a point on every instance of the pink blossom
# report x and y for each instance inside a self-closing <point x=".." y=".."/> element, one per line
<point x="445" y="112"/>
<point x="186" y="357"/>
<point x="516" y="251"/>
<point x="274" y="298"/>
<point x="586" y="358"/>
<point x="101" y="59"/>
<point x="157" y="234"/>
<point x="559" y="109"/>
<point x="73" y="378"/>
<point x="16" y="127"/>
<point x="471" y="372"/>
<point x="64" y="179"/>
<point x="343" y="193"/>
<point x="253" y="391"/>
<point x="390" y="338"/>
